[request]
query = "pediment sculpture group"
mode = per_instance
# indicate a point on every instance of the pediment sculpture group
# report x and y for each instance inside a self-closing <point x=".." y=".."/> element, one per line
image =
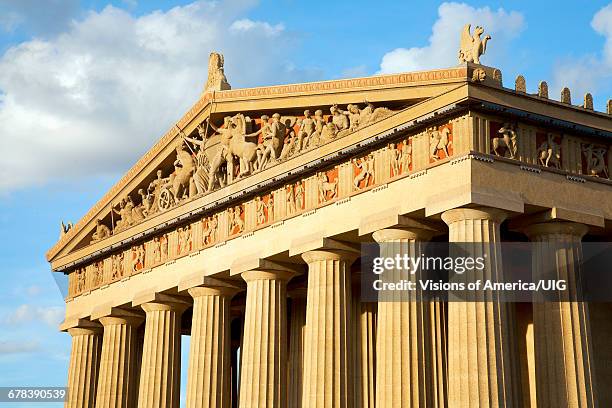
<point x="245" y="147"/>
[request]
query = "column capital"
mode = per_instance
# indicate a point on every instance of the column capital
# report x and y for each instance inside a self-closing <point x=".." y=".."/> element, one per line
<point x="151" y="301"/>
<point x="478" y="213"/>
<point x="398" y="233"/>
<point x="199" y="291"/>
<point x="78" y="323"/>
<point x="164" y="307"/>
<point x="85" y="331"/>
<point x="317" y="242"/>
<point x="198" y="279"/>
<point x="121" y="320"/>
<point x="109" y="316"/>
<point x="271" y="274"/>
<point x="392" y="220"/>
<point x="329" y="255"/>
<point x="556" y="228"/>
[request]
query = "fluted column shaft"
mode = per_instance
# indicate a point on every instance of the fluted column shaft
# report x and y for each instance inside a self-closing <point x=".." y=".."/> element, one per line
<point x="562" y="337"/>
<point x="410" y="370"/>
<point x="297" y="334"/>
<point x="117" y="362"/>
<point x="482" y="365"/>
<point x="84" y="365"/>
<point x="209" y="373"/>
<point x="263" y="381"/>
<point x="364" y="351"/>
<point x="327" y="348"/>
<point x="161" y="356"/>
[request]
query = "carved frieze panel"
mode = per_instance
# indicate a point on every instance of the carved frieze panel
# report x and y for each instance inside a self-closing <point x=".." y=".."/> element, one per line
<point x="549" y="149"/>
<point x="363" y="171"/>
<point x="137" y="258"/>
<point x="595" y="160"/>
<point x="400" y="157"/>
<point x="210" y="230"/>
<point x="327" y="185"/>
<point x="235" y="220"/>
<point x="504" y="139"/>
<point x="184" y="240"/>
<point x="440" y="142"/>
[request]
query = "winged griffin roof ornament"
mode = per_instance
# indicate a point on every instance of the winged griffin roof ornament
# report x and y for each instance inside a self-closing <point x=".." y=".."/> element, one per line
<point x="472" y="46"/>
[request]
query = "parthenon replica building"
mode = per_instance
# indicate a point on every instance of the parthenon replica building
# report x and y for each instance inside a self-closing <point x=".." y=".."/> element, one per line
<point x="242" y="227"/>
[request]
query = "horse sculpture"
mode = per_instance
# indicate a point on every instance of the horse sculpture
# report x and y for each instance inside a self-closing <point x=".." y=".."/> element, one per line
<point x="507" y="142"/>
<point x="239" y="146"/>
<point x="549" y="153"/>
<point x="184" y="166"/>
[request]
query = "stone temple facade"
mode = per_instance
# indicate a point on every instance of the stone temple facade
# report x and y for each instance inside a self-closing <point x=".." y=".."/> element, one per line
<point x="241" y="227"/>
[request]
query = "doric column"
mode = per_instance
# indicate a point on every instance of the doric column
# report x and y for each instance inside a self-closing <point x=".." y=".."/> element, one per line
<point x="481" y="351"/>
<point x="263" y="381"/>
<point x="364" y="346"/>
<point x="297" y="334"/>
<point x="209" y="374"/>
<point x="116" y="385"/>
<point x="84" y="365"/>
<point x="410" y="369"/>
<point x="562" y="337"/>
<point x="327" y="348"/>
<point x="160" y="372"/>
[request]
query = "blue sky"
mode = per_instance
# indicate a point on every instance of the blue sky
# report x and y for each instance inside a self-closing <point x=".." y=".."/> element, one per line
<point x="87" y="87"/>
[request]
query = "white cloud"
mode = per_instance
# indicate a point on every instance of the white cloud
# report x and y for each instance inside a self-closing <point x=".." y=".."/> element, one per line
<point x="588" y="73"/>
<point x="51" y="316"/>
<point x="18" y="347"/>
<point x="443" y="44"/>
<point x="91" y="100"/>
<point x="246" y="25"/>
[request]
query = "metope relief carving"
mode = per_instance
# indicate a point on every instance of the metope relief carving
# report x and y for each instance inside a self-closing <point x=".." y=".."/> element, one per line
<point x="260" y="209"/>
<point x="137" y="261"/>
<point x="185" y="240"/>
<point x="549" y="152"/>
<point x="595" y="160"/>
<point x="210" y="230"/>
<point x="440" y="142"/>
<point x="97" y="273"/>
<point x="364" y="172"/>
<point x="117" y="266"/>
<point x="400" y="157"/>
<point x="327" y="185"/>
<point x="505" y="145"/>
<point x="81" y="279"/>
<point x="159" y="249"/>
<point x="235" y="218"/>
